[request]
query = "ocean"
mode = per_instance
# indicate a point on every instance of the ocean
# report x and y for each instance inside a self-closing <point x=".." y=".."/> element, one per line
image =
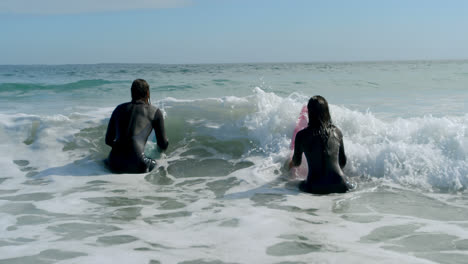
<point x="221" y="193"/>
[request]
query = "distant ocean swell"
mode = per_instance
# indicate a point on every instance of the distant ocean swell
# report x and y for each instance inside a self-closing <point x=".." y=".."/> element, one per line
<point x="83" y="85"/>
<point x="78" y="85"/>
<point x="230" y="133"/>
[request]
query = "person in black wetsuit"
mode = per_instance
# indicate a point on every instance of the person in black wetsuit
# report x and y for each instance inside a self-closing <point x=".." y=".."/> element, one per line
<point x="322" y="144"/>
<point x="129" y="128"/>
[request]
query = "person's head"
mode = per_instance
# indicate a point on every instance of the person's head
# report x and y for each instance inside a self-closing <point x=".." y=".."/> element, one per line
<point x="319" y="114"/>
<point x="140" y="90"/>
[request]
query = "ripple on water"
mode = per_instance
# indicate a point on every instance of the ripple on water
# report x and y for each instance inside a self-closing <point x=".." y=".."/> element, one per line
<point x="16" y="241"/>
<point x="125" y="214"/>
<point x="401" y="202"/>
<point x="98" y="182"/>
<point x="166" y="203"/>
<point x="362" y="218"/>
<point x="171" y="204"/>
<point x="159" y="246"/>
<point x="142" y="249"/>
<point x="119" y="191"/>
<point x="389" y="232"/>
<point x="5" y="243"/>
<point x="37" y="182"/>
<point x="116" y="240"/>
<point x="23" y="240"/>
<point x="204" y="168"/>
<point x="29" y="197"/>
<point x="272" y="201"/>
<point x="293" y="209"/>
<point x="291" y="262"/>
<point x="197" y="168"/>
<point x="26" y="208"/>
<point x="31" y="173"/>
<point x="3" y="179"/>
<point x="462" y="244"/>
<point x="190" y="182"/>
<point x="31" y="220"/>
<point x="44" y="257"/>
<point x="320" y="222"/>
<point x="263" y="199"/>
<point x="169" y="217"/>
<point x="292" y="248"/>
<point x="25" y="169"/>
<point x="424" y="242"/>
<point x="230" y="223"/>
<point x="92" y="139"/>
<point x="77" y="231"/>
<point x="294" y="237"/>
<point x="2" y="192"/>
<point x="220" y="187"/>
<point x="21" y="163"/>
<point x="205" y="261"/>
<point x="116" y="201"/>
<point x="159" y="177"/>
<point x="91" y="186"/>
<point x="444" y="258"/>
<point x="197" y="152"/>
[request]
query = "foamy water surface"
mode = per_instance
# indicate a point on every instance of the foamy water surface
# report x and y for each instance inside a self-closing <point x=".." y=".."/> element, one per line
<point x="221" y="193"/>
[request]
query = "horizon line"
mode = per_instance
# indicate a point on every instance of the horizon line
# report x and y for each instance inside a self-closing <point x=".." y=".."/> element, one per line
<point x="234" y="63"/>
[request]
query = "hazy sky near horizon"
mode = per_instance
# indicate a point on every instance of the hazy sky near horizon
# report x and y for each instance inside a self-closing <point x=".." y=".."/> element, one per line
<point x="230" y="31"/>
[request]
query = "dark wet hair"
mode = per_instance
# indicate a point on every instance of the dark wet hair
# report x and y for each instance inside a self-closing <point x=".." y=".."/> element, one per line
<point x="319" y="114"/>
<point x="140" y="89"/>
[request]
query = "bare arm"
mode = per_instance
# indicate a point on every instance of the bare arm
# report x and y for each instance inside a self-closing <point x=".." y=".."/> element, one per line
<point x="297" y="157"/>
<point x="158" y="125"/>
<point x="110" y="134"/>
<point x="342" y="155"/>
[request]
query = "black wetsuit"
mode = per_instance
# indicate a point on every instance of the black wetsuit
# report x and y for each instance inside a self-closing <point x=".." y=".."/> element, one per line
<point x="129" y="128"/>
<point x="325" y="158"/>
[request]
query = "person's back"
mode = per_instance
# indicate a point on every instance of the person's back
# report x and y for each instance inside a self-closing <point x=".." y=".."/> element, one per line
<point x="129" y="128"/>
<point x="322" y="144"/>
<point x="325" y="158"/>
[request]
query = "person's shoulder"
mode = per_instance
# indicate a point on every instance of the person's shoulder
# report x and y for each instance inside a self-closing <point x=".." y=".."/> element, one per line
<point x="156" y="112"/>
<point x="153" y="108"/>
<point x="301" y="133"/>
<point x="121" y="106"/>
<point x="337" y="132"/>
<point x="307" y="130"/>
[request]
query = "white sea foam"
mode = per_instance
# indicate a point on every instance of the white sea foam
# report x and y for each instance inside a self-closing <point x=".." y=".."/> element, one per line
<point x="428" y="152"/>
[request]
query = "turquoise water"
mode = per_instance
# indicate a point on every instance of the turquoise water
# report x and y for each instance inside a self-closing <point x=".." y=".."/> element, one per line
<point x="221" y="193"/>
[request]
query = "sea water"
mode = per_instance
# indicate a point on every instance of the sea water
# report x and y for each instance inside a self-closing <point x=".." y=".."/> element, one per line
<point x="221" y="193"/>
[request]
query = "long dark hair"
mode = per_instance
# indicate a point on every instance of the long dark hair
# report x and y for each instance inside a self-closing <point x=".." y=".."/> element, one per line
<point x="320" y="119"/>
<point x="319" y="114"/>
<point x="140" y="90"/>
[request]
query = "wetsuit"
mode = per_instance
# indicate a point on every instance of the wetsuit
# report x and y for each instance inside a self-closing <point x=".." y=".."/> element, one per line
<point x="325" y="156"/>
<point x="129" y="128"/>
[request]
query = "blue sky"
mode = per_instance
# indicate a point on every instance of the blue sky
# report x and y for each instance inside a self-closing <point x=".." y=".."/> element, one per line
<point x="230" y="31"/>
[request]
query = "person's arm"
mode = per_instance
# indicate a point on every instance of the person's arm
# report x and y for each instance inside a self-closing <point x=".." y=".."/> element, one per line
<point x="342" y="155"/>
<point x="158" y="125"/>
<point x="297" y="157"/>
<point x="110" y="134"/>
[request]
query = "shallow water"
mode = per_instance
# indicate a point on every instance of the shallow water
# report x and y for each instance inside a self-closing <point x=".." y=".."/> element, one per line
<point x="220" y="193"/>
